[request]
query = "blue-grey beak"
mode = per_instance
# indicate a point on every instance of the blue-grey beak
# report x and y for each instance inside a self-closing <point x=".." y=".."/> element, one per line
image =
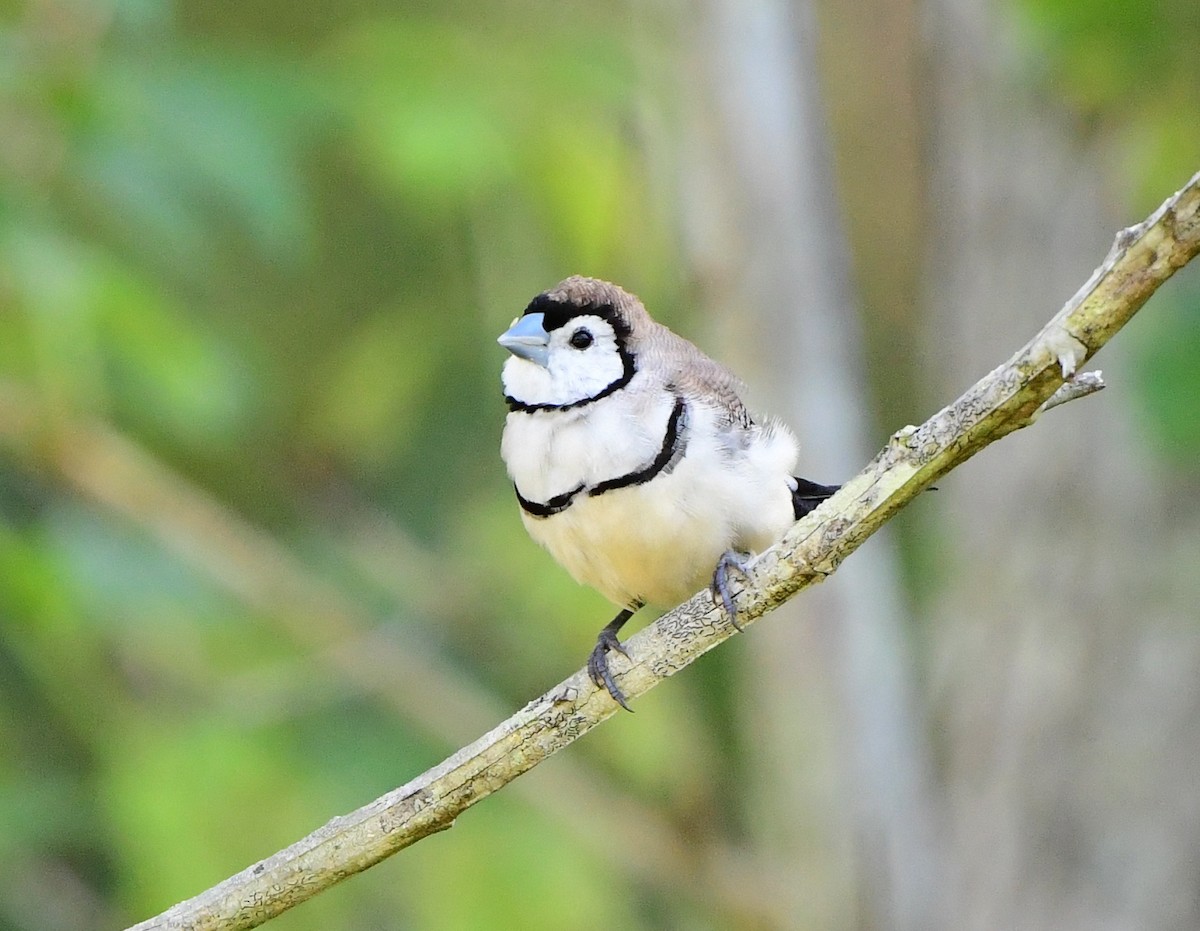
<point x="528" y="339"/>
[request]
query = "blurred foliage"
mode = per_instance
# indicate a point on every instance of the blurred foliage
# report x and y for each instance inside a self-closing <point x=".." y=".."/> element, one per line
<point x="265" y="249"/>
<point x="1169" y="376"/>
<point x="1130" y="73"/>
<point x="273" y="253"/>
<point x="1128" y="70"/>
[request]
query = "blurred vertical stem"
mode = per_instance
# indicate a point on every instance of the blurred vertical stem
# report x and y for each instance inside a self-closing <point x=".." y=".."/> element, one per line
<point x="786" y="267"/>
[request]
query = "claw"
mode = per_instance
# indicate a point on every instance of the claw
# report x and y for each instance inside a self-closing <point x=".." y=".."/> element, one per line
<point x="720" y="583"/>
<point x="597" y="664"/>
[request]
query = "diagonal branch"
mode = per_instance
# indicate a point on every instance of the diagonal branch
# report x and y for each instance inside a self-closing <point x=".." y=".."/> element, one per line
<point x="408" y="676"/>
<point x="1007" y="399"/>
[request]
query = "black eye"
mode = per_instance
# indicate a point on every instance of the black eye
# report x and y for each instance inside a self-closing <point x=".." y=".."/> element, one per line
<point x="581" y="339"/>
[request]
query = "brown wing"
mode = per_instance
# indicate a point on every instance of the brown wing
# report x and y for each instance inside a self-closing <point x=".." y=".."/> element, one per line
<point x="695" y="374"/>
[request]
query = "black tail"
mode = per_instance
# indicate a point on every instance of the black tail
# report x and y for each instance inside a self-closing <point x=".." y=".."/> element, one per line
<point x="807" y="495"/>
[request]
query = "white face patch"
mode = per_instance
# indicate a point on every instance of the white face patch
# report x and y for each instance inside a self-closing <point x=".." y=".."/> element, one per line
<point x="584" y="359"/>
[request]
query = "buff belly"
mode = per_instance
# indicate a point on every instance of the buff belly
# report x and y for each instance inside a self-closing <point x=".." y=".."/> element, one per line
<point x="657" y="543"/>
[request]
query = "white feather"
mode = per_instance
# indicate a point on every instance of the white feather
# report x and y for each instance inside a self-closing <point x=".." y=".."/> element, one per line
<point x="659" y="541"/>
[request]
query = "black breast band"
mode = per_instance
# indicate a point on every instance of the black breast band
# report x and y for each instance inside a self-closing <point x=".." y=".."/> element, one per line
<point x="628" y="370"/>
<point x="671" y="446"/>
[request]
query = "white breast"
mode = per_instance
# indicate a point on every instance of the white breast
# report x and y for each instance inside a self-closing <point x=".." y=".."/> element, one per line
<point x="659" y="541"/>
<point x="549" y="453"/>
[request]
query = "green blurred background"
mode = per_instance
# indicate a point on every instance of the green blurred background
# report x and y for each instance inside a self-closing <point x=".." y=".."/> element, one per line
<point x="260" y="563"/>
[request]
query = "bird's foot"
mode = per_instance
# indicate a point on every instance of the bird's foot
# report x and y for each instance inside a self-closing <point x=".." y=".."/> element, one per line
<point x="730" y="559"/>
<point x="597" y="664"/>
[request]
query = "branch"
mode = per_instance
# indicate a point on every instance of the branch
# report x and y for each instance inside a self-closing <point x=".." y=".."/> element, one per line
<point x="1007" y="399"/>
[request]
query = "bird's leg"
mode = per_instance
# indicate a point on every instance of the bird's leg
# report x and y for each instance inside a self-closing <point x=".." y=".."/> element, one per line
<point x="606" y="640"/>
<point x="730" y="559"/>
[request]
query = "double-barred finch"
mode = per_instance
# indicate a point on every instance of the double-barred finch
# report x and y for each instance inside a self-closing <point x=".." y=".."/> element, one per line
<point x="635" y="462"/>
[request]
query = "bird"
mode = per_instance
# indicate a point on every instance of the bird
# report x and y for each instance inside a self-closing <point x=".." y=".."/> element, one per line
<point x="634" y="460"/>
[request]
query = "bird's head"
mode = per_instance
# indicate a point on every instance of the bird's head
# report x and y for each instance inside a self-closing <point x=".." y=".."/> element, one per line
<point x="572" y="345"/>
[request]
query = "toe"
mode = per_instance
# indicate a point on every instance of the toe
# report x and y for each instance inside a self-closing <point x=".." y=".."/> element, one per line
<point x="599" y="672"/>
<point x="720" y="584"/>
